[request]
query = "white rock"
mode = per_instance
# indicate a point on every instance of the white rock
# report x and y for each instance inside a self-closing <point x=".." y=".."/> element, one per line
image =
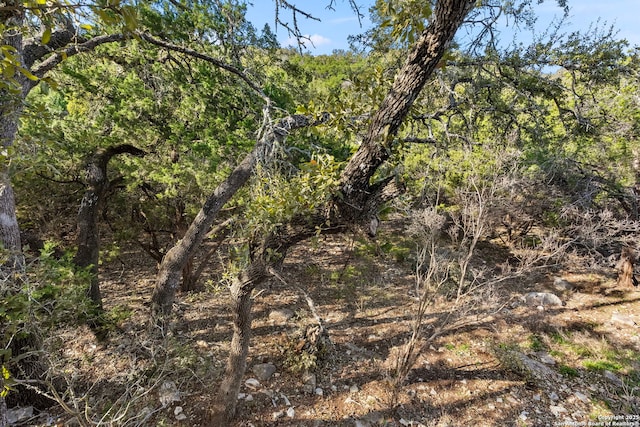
<point x="181" y="416"/>
<point x="523" y="415"/>
<point x="291" y="412"/>
<point x="318" y="391"/>
<point x="535" y="299"/>
<point x="278" y="414"/>
<point x="285" y="399"/>
<point x="354" y="389"/>
<point x="557" y="410"/>
<point x="252" y="383"/>
<point x="553" y="396"/>
<point x="582" y="397"/>
<point x="177" y="410"/>
<point x="623" y="320"/>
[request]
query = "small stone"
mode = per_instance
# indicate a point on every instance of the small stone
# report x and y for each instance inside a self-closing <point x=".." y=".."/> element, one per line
<point x="499" y="400"/>
<point x="622" y="320"/>
<point x="433" y="392"/>
<point x="561" y="285"/>
<point x="334" y="388"/>
<point x="281" y="316"/>
<point x="537" y="397"/>
<point x="179" y="413"/>
<point x="264" y="371"/>
<point x="286" y="399"/>
<point x="523" y="415"/>
<point x="318" y="391"/>
<point x="535" y="299"/>
<point x="613" y="378"/>
<point x="557" y="410"/>
<point x="553" y="396"/>
<point x="278" y="414"/>
<point x="252" y="383"/>
<point x="291" y="412"/>
<point x="309" y="380"/>
<point x="583" y="397"/>
<point x="491" y="406"/>
<point x="248" y="398"/>
<point x="354" y="389"/>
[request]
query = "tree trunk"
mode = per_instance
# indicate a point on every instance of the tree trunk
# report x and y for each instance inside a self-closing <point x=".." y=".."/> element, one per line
<point x="11" y="106"/>
<point x="225" y="406"/>
<point x="626" y="278"/>
<point x="88" y="240"/>
<point x="378" y="143"/>
<point x="168" y="277"/>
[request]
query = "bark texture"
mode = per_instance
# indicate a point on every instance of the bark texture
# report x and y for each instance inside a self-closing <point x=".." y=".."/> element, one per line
<point x="626" y="278"/>
<point x="88" y="240"/>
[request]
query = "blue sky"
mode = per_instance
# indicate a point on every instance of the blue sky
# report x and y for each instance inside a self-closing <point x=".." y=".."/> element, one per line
<point x="336" y="25"/>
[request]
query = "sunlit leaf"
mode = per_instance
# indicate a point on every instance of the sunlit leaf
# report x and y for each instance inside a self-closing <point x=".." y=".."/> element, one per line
<point x="46" y="35"/>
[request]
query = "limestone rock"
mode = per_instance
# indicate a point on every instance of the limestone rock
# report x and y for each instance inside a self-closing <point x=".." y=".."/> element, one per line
<point x="623" y="320"/>
<point x="544" y="299"/>
<point x="264" y="371"/>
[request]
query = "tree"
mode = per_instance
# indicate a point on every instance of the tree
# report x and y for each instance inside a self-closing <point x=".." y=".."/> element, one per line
<point x="357" y="200"/>
<point x="92" y="204"/>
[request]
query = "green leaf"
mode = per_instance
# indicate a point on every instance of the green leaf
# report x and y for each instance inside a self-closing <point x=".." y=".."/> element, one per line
<point x="130" y="17"/>
<point x="28" y="74"/>
<point x="46" y="35"/>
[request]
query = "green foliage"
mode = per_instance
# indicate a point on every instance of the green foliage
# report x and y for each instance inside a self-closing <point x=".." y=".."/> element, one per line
<point x="277" y="198"/>
<point x="536" y="343"/>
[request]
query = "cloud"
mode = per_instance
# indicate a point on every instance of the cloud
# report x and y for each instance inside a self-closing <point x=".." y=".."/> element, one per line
<point x="310" y="41"/>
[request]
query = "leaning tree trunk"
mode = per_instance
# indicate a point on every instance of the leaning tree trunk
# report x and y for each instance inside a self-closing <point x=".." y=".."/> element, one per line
<point x="359" y="199"/>
<point x="88" y="240"/>
<point x="225" y="406"/>
<point x="173" y="263"/>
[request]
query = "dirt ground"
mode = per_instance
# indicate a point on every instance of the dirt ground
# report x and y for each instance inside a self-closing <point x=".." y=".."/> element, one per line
<point x="507" y="364"/>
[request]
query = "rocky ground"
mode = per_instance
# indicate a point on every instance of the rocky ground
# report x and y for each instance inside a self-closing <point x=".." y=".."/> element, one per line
<point x="557" y="346"/>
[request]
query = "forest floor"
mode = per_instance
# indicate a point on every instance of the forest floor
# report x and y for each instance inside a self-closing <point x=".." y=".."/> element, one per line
<point x="505" y="363"/>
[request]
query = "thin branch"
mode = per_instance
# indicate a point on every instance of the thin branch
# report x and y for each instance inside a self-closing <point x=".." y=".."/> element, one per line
<point x="48" y="64"/>
<point x="210" y="59"/>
